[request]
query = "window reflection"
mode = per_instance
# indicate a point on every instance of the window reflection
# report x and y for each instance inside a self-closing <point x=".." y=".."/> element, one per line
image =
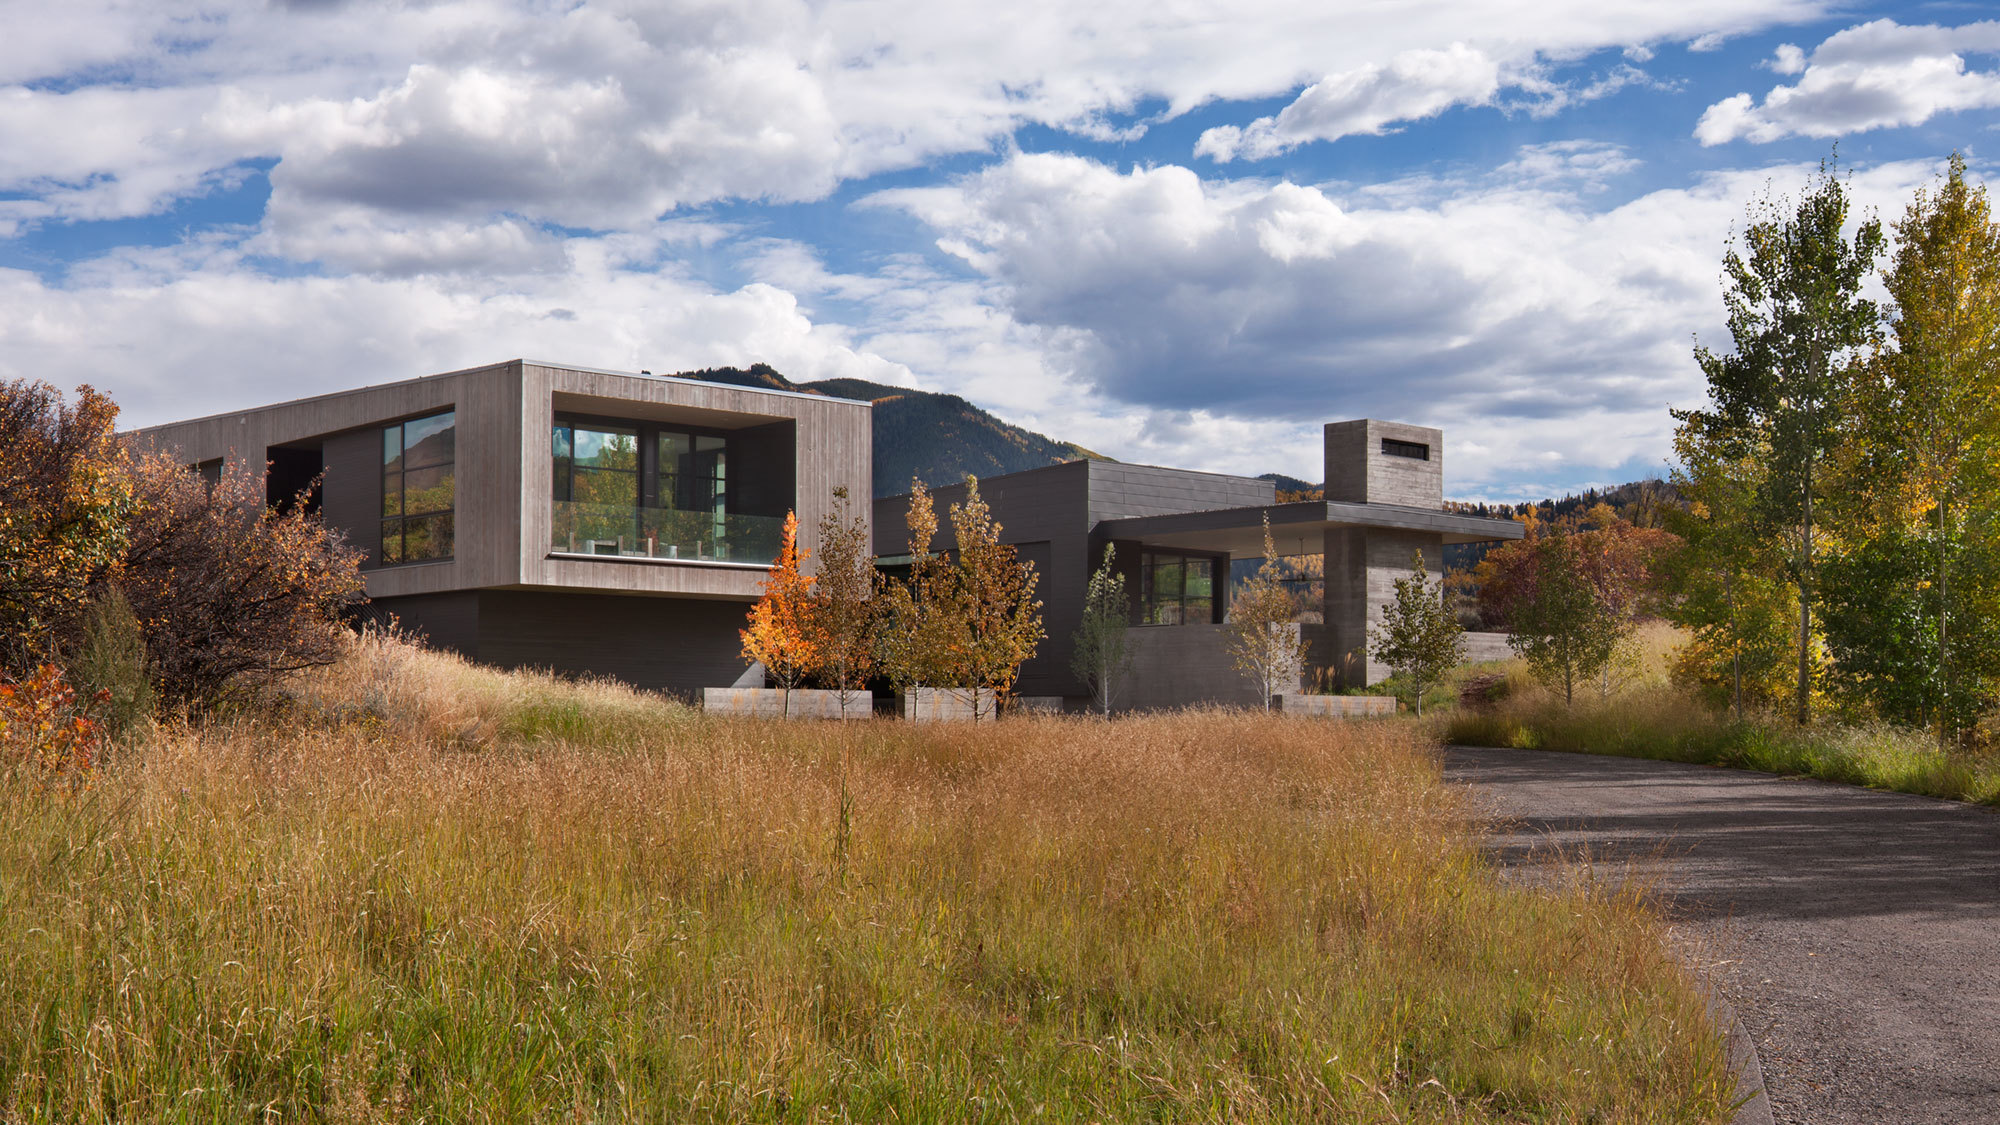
<point x="1176" y="589"/>
<point x="419" y="488"/>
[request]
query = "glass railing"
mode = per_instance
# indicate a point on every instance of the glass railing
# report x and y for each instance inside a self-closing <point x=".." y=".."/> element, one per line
<point x="618" y="531"/>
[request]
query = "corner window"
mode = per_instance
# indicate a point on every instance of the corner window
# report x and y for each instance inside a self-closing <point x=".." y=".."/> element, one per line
<point x="1414" y="450"/>
<point x="419" y="488"/>
<point x="1176" y="589"/>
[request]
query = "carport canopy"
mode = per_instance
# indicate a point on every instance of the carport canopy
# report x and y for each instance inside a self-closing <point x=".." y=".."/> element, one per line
<point x="1298" y="527"/>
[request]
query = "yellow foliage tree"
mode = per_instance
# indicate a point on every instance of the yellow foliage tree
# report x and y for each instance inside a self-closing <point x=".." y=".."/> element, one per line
<point x="921" y="635"/>
<point x="1003" y="623"/>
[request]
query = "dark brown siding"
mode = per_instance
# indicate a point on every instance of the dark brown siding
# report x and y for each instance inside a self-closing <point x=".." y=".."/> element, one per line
<point x="446" y="621"/>
<point x="676" y="645"/>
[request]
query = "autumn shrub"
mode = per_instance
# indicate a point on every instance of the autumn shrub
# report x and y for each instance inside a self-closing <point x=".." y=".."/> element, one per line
<point x="63" y="502"/>
<point x="230" y="593"/>
<point x="45" y="727"/>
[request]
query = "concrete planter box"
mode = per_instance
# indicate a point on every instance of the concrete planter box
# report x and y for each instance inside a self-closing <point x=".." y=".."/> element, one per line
<point x="769" y="703"/>
<point x="1335" y="706"/>
<point x="946" y="705"/>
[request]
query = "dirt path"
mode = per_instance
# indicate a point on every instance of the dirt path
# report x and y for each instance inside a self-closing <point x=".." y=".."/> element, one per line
<point x="1857" y="933"/>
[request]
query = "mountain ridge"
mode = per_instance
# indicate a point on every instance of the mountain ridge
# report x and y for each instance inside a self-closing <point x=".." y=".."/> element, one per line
<point x="919" y="435"/>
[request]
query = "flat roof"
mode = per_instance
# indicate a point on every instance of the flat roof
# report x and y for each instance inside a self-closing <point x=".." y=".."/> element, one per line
<point x="550" y="364"/>
<point x="1240" y="531"/>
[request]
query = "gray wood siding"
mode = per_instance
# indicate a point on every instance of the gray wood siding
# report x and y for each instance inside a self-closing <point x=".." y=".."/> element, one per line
<point x="486" y="403"/>
<point x="832" y="448"/>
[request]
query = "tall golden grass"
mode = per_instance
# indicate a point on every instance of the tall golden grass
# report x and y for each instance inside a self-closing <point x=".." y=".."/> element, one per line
<point x="410" y="895"/>
<point x="1650" y="717"/>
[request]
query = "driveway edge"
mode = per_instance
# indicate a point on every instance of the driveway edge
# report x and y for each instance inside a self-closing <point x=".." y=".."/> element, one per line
<point x="1753" y="1104"/>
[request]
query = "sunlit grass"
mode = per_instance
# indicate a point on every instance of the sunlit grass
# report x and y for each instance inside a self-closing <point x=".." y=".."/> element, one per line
<point x="374" y="915"/>
<point x="1650" y="718"/>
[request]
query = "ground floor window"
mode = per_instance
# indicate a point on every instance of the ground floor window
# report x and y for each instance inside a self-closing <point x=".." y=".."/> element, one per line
<point x="1176" y="589"/>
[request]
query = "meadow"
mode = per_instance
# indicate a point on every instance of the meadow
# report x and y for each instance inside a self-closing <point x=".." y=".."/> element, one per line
<point x="415" y="890"/>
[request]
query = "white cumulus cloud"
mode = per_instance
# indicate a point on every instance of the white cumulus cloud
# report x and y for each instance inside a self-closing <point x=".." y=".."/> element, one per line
<point x="1877" y="75"/>
<point x="1366" y="100"/>
<point x="1517" y="313"/>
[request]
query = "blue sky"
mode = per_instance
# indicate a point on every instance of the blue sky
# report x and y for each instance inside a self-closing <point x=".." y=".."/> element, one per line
<point x="1180" y="234"/>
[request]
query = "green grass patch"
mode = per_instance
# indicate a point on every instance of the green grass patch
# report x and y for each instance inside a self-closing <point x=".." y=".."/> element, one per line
<point x="1659" y="722"/>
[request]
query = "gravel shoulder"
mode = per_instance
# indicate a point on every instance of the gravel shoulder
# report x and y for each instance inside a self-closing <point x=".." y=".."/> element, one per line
<point x="1856" y="933"/>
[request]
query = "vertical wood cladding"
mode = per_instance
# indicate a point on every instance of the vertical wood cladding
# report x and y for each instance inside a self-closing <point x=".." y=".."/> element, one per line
<point x="485" y="400"/>
<point x="830" y="447"/>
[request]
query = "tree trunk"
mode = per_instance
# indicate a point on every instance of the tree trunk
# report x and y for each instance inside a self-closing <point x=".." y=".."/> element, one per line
<point x="1735" y="646"/>
<point x="1805" y="606"/>
<point x="1944" y="609"/>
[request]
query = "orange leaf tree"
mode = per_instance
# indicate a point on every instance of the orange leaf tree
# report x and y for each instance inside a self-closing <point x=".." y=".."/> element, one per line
<point x="780" y="633"/>
<point x="843" y="608"/>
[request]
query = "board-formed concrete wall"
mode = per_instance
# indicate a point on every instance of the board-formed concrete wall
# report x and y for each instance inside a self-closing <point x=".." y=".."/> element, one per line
<point x="805" y="703"/>
<point x="947" y="705"/>
<point x="1482" y="647"/>
<point x="1358" y="470"/>
<point x="1336" y="706"/>
<point x="1362" y="568"/>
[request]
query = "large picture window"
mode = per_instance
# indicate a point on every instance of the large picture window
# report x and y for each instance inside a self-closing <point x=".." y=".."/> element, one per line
<point x="419" y="489"/>
<point x="1176" y="589"/>
<point x="646" y="489"/>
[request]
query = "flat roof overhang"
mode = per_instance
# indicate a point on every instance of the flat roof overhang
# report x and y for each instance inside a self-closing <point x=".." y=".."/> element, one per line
<point x="1239" y="532"/>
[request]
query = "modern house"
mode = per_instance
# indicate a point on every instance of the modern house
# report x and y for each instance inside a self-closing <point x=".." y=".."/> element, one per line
<point x="531" y="513"/>
<point x="1178" y="535"/>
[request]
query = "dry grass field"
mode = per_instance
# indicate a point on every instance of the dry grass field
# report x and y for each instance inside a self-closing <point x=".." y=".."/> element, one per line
<point x="426" y="892"/>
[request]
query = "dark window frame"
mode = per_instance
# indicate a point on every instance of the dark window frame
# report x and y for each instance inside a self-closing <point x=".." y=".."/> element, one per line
<point x="404" y="516"/>
<point x="1414" y="450"/>
<point x="1217" y="590"/>
<point x="648" y="437"/>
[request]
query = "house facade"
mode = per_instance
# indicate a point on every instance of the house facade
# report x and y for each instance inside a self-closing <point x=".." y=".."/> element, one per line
<point x="1180" y="535"/>
<point x="533" y="513"/>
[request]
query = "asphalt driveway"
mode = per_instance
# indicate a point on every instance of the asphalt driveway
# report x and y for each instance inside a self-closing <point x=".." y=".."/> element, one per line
<point x="1857" y="933"/>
